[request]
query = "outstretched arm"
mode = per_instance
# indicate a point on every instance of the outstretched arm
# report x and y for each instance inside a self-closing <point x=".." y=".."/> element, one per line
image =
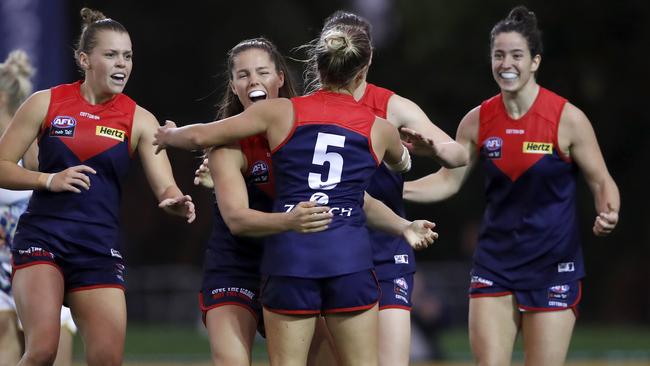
<point x="158" y="169"/>
<point x="436" y="143"/>
<point x="584" y="150"/>
<point x="226" y="165"/>
<point x="419" y="233"/>
<point x="446" y="182"/>
<point x="254" y="120"/>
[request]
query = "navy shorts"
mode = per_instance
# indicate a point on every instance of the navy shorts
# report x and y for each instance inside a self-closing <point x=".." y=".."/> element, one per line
<point x="396" y="293"/>
<point x="553" y="298"/>
<point x="81" y="269"/>
<point x="306" y="296"/>
<point x="231" y="290"/>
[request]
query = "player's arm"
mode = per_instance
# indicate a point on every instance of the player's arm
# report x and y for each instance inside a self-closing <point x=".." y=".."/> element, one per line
<point x="419" y="233"/>
<point x="446" y="182"/>
<point x="438" y="144"/>
<point x="157" y="168"/>
<point x="226" y="165"/>
<point x="385" y="138"/>
<point x="20" y="135"/>
<point x="254" y="120"/>
<point x="584" y="150"/>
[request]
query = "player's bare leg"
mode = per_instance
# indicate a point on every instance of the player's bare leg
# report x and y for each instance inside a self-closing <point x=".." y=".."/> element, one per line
<point x="355" y="336"/>
<point x="288" y="337"/>
<point x="547" y="335"/>
<point x="231" y="330"/>
<point x="493" y="326"/>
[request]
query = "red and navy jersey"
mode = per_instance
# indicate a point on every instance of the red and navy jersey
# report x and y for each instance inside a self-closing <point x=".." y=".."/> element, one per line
<point x="240" y="255"/>
<point x="392" y="255"/>
<point x="529" y="238"/>
<point x="76" y="132"/>
<point x="327" y="158"/>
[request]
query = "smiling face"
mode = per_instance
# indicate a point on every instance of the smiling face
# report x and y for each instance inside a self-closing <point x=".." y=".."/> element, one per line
<point x="513" y="66"/>
<point x="108" y="65"/>
<point x="255" y="76"/>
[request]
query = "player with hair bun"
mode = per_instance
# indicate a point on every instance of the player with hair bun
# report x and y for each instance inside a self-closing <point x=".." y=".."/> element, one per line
<point x="67" y="247"/>
<point x="531" y="143"/>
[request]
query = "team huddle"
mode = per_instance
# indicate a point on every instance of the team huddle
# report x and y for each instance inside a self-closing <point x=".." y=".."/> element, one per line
<point x="310" y="245"/>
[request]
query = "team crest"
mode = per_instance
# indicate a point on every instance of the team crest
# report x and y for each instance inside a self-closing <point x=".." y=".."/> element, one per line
<point x="259" y="172"/>
<point x="493" y="147"/>
<point x="63" y="126"/>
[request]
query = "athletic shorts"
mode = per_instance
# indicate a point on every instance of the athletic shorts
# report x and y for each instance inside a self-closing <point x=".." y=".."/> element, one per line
<point x="310" y="296"/>
<point x="81" y="270"/>
<point x="553" y="298"/>
<point x="231" y="290"/>
<point x="396" y="293"/>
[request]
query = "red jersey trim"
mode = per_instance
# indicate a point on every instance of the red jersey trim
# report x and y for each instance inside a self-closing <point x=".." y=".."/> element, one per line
<point x="206" y="309"/>
<point x="370" y="147"/>
<point x="399" y="307"/>
<point x="94" y="287"/>
<point x="15" y="268"/>
<point x="291" y="132"/>
<point x="564" y="156"/>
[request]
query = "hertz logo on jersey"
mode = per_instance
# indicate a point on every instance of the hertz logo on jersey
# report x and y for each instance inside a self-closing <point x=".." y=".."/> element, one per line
<point x="537" y="148"/>
<point x="112" y="133"/>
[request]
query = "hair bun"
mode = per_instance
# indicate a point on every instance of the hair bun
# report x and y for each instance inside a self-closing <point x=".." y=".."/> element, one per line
<point x="336" y="42"/>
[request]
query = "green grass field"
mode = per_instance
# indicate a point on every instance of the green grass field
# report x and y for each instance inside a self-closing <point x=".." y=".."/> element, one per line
<point x="167" y="345"/>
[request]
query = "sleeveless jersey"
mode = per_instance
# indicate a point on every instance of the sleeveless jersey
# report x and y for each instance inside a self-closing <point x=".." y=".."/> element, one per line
<point x="240" y="255"/>
<point x="529" y="237"/>
<point x="392" y="255"/>
<point x="75" y="132"/>
<point x="326" y="158"/>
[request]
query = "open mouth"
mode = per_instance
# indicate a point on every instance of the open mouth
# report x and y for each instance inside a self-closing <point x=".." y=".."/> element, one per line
<point x="119" y="77"/>
<point x="257" y="95"/>
<point x="508" y="75"/>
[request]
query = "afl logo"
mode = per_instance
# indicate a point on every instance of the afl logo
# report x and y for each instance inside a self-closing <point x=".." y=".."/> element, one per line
<point x="401" y="282"/>
<point x="493" y="147"/>
<point x="561" y="289"/>
<point x="259" y="172"/>
<point x="63" y="126"/>
<point x="320" y="198"/>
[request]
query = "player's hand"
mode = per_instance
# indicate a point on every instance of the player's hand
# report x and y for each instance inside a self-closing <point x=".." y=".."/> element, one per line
<point x="179" y="206"/>
<point x="419" y="234"/>
<point x="309" y="217"/>
<point x="417" y="143"/>
<point x="202" y="175"/>
<point x="605" y="222"/>
<point x="71" y="179"/>
<point x="162" y="136"/>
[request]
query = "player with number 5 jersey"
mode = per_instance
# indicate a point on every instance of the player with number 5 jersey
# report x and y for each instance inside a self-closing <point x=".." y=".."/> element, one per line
<point x="325" y="147"/>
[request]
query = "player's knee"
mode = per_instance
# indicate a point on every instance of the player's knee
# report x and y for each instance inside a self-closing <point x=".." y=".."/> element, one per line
<point x="221" y="358"/>
<point x="42" y="355"/>
<point x="104" y="357"/>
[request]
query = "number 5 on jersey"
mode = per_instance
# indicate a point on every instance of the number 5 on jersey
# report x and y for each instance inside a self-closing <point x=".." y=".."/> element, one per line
<point x="321" y="156"/>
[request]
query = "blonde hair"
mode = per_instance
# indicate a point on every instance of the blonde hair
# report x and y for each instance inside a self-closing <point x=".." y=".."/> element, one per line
<point x="15" y="74"/>
<point x="337" y="56"/>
